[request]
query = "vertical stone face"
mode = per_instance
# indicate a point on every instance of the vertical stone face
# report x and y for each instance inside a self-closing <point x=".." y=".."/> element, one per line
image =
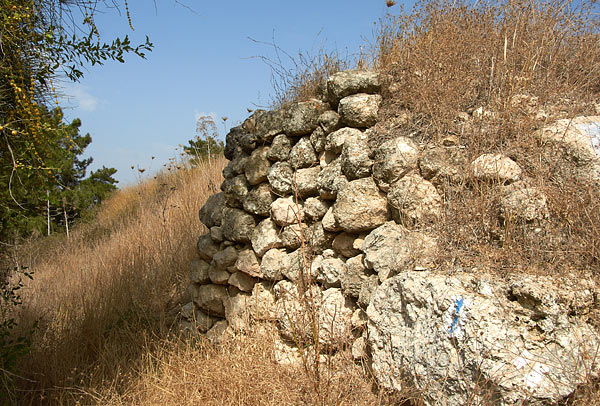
<point x="308" y="210"/>
<point x="360" y="206"/>
<point x="211" y="214"/>
<point x="302" y="118"/>
<point x="237" y="225"/>
<point x="394" y="159"/>
<point x="360" y="110"/>
<point x="303" y="154"/>
<point x="257" y="166"/>
<point x="345" y="83"/>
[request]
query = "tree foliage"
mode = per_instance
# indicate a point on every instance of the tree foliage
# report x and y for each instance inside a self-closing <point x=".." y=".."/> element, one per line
<point x="41" y="41"/>
<point x="205" y="144"/>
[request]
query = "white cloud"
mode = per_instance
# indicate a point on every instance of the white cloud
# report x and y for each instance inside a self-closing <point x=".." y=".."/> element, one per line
<point x="80" y="95"/>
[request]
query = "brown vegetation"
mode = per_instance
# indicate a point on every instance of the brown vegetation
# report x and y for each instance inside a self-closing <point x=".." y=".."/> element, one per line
<point x="105" y="300"/>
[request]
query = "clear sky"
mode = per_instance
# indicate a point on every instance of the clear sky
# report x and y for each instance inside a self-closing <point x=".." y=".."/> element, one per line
<point x="203" y="62"/>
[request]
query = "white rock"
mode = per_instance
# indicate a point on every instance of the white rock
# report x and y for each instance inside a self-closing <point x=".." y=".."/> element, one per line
<point x="265" y="236"/>
<point x="391" y="249"/>
<point x="496" y="168"/>
<point x="360" y="206"/>
<point x="360" y="110"/>
<point x="519" y="339"/>
<point x="284" y="211"/>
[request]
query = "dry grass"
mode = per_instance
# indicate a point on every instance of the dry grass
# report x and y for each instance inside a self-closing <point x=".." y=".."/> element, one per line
<point x="514" y="59"/>
<point x="102" y="297"/>
<point x="241" y="371"/>
<point x="105" y="300"/>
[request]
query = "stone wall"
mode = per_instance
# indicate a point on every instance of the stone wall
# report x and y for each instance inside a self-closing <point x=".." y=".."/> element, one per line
<point x="309" y="211"/>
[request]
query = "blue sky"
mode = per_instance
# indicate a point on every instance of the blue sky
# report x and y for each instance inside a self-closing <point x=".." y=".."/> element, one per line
<point x="203" y="62"/>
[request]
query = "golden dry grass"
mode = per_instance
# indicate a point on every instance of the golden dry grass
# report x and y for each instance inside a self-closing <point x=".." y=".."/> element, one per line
<point x="101" y="297"/>
<point x="105" y="300"/>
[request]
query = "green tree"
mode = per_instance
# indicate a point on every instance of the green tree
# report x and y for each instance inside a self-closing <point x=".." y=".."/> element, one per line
<point x="40" y="41"/>
<point x="36" y="201"/>
<point x="205" y="144"/>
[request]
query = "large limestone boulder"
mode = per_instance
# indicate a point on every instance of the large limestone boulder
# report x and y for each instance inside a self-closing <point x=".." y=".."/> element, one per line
<point x="342" y="84"/>
<point x="231" y="141"/>
<point x="237" y="225"/>
<point x="306" y="181"/>
<point x="268" y="124"/>
<point x="206" y="247"/>
<point x="335" y="314"/>
<point x="360" y="206"/>
<point x="495" y="168"/>
<point x="329" y="121"/>
<point x="284" y="211"/>
<point x="273" y="263"/>
<point x="355" y="277"/>
<point x="303" y="117"/>
<point x="280" y="148"/>
<point x="242" y="281"/>
<point x="318" y="239"/>
<point x="330" y="272"/>
<point x="257" y="166"/>
<point x="463" y="338"/>
<point x="334" y="143"/>
<point x="394" y="159"/>
<point x="265" y="236"/>
<point x="247" y="262"/>
<point x="211" y="214"/>
<point x="522" y="202"/>
<point x="225" y="258"/>
<point x="291" y="235"/>
<point x="391" y="249"/>
<point x="236" y="166"/>
<point x="315" y="208"/>
<point x="199" y="271"/>
<point x="217" y="275"/>
<point x="281" y="178"/>
<point x="355" y="159"/>
<point x="258" y="200"/>
<point x="235" y="190"/>
<point x="329" y="222"/>
<point x="331" y="180"/>
<point x="296" y="268"/>
<point x="303" y="155"/>
<point x="360" y="110"/>
<point x="414" y="200"/>
<point x="210" y="299"/>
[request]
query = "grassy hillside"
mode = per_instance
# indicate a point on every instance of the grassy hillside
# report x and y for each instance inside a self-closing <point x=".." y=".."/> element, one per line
<point x="105" y="300"/>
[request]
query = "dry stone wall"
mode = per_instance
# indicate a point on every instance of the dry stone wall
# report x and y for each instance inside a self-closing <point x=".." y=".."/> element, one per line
<point x="309" y="214"/>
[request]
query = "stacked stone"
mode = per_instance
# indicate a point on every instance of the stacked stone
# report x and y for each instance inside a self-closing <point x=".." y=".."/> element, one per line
<point x="305" y="198"/>
<point x="310" y="219"/>
<point x="278" y="219"/>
